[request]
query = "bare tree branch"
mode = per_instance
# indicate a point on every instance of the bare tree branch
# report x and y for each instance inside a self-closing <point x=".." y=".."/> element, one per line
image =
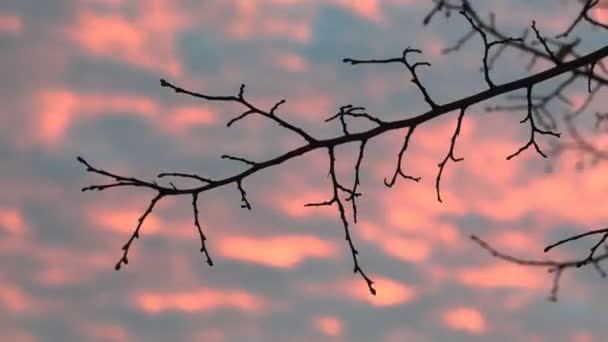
<point x="554" y="267"/>
<point x="579" y="66"/>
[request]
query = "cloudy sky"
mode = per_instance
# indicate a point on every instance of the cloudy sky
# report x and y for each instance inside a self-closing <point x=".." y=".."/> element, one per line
<point x="81" y="78"/>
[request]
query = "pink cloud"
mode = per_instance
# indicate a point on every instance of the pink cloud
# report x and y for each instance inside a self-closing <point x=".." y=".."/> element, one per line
<point x="486" y="183"/>
<point x="414" y="211"/>
<point x="600" y="14"/>
<point x="502" y="275"/>
<point x="252" y="21"/>
<point x="61" y="266"/>
<point x="147" y="39"/>
<point x="278" y="251"/>
<point x="185" y="117"/>
<point x="57" y="109"/>
<point x="465" y="319"/>
<point x="55" y="113"/>
<point x="196" y="301"/>
<point x="17" y="336"/>
<point x="121" y="222"/>
<point x="10" y="23"/>
<point x="211" y="335"/>
<point x="554" y="21"/>
<point x="582" y="336"/>
<point x="106" y="2"/>
<point x="291" y="62"/>
<point x="100" y="330"/>
<point x="328" y="325"/>
<point x="125" y="221"/>
<point x="59" y="275"/>
<point x="519" y="300"/>
<point x="311" y="106"/>
<point x="302" y="188"/>
<point x="402" y="248"/>
<point x="389" y="292"/>
<point x="16" y="300"/>
<point x="292" y="203"/>
<point x="140" y="105"/>
<point x="549" y="196"/>
<point x="412" y="250"/>
<point x="369" y="9"/>
<point x="517" y="241"/>
<point x="297" y="30"/>
<point x="12" y="221"/>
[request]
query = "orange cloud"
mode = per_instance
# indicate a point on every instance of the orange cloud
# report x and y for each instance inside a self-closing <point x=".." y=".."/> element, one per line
<point x="465" y="319"/>
<point x="329" y="325"/>
<point x="10" y="23"/>
<point x="202" y="300"/>
<point x="279" y="251"/>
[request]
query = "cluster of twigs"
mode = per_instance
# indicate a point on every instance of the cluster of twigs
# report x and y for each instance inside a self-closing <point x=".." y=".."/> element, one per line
<point x="539" y="114"/>
<point x="493" y="40"/>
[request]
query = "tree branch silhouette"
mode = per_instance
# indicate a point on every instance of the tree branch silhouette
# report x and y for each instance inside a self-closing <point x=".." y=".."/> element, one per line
<point x="538" y="109"/>
<point x="554" y="267"/>
<point x="580" y="66"/>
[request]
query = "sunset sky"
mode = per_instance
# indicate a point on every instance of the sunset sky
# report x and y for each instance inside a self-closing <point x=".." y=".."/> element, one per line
<point x="81" y="78"/>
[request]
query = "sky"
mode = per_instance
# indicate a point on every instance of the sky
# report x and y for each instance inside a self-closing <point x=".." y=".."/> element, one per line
<point x="81" y="78"/>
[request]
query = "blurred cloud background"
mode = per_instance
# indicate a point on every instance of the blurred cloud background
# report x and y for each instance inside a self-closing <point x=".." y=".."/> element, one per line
<point x="81" y="77"/>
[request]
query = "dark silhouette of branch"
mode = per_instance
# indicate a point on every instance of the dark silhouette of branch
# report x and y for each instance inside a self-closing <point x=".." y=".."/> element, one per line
<point x="535" y="129"/>
<point x="538" y="109"/>
<point x="589" y="4"/>
<point x="336" y="200"/>
<point x="487" y="45"/>
<point x="579" y="66"/>
<point x="554" y="267"/>
<point x="450" y="154"/>
<point x="398" y="170"/>
<point x="408" y="65"/>
<point x="200" y="230"/>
